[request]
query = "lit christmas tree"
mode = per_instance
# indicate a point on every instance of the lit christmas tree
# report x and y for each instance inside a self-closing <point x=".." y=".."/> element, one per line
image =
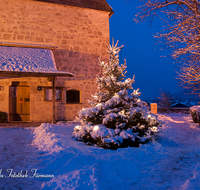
<point x="113" y="75"/>
<point x="116" y="119"/>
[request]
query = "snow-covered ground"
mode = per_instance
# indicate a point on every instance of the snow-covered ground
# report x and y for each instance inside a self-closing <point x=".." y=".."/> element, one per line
<point x="170" y="162"/>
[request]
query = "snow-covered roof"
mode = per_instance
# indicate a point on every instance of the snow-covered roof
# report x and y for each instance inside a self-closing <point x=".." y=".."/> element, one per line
<point x="28" y="61"/>
<point x="179" y="105"/>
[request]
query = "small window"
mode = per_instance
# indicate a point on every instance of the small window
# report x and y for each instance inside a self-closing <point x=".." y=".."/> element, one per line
<point x="72" y="96"/>
<point x="48" y="94"/>
<point x="58" y="94"/>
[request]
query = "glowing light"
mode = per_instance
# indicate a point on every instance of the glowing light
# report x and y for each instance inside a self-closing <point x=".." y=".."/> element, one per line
<point x="78" y="127"/>
<point x="149" y="116"/>
<point x="138" y="100"/>
<point x="96" y="127"/>
<point x="123" y="112"/>
<point x="154" y="128"/>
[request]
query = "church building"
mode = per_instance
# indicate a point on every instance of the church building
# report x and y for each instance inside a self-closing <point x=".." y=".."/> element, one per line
<point x="49" y="56"/>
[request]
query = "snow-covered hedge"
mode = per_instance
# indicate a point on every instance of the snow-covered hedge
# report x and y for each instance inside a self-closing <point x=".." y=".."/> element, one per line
<point x="121" y="121"/>
<point x="195" y="113"/>
<point x="198" y="114"/>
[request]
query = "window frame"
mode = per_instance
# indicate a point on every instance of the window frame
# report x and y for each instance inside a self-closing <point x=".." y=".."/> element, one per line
<point x="60" y="88"/>
<point x="79" y="97"/>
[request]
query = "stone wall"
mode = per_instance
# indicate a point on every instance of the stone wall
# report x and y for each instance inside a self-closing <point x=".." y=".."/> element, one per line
<point x="79" y="36"/>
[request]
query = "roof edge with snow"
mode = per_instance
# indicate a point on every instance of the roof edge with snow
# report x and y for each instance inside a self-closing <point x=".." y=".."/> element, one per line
<point x="35" y="74"/>
<point x="28" y="60"/>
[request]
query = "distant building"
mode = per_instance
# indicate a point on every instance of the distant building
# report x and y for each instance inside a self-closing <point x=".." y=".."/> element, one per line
<point x="46" y="40"/>
<point x="180" y="107"/>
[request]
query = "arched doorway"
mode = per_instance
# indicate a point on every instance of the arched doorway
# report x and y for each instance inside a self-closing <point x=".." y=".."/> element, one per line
<point x="19" y="102"/>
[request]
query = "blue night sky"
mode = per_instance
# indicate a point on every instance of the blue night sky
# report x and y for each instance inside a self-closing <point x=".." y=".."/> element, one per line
<point x="152" y="72"/>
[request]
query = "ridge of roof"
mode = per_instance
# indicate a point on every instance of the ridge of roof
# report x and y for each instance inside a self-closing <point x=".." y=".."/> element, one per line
<point x="91" y="4"/>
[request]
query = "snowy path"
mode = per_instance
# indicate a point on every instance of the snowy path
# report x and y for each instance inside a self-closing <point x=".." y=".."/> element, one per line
<point x="181" y="166"/>
<point x="17" y="154"/>
<point x="172" y="162"/>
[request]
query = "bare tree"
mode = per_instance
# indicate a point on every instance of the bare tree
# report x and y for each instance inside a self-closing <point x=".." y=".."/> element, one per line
<point x="165" y="101"/>
<point x="189" y="75"/>
<point x="181" y="33"/>
<point x="181" y="19"/>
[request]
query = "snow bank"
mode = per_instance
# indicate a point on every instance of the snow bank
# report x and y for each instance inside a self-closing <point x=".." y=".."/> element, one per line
<point x="46" y="140"/>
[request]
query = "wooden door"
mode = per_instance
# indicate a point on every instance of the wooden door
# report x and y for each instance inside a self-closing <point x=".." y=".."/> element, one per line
<point x="20" y="103"/>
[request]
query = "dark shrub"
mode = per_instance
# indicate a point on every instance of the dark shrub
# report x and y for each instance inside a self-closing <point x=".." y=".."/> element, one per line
<point x="3" y="117"/>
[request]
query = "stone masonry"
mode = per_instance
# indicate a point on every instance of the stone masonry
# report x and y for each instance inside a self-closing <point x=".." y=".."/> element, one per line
<point x="79" y="36"/>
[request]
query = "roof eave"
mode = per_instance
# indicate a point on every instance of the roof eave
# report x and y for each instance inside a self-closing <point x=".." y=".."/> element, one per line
<point x="111" y="13"/>
<point x="34" y="74"/>
<point x="107" y="7"/>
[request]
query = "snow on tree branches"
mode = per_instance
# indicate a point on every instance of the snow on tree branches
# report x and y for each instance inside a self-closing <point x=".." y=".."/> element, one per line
<point x="116" y="118"/>
<point x="113" y="75"/>
<point x="189" y="76"/>
<point x="181" y="22"/>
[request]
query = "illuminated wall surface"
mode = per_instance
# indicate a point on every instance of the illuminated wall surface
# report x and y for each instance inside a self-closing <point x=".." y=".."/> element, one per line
<point x="79" y="36"/>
